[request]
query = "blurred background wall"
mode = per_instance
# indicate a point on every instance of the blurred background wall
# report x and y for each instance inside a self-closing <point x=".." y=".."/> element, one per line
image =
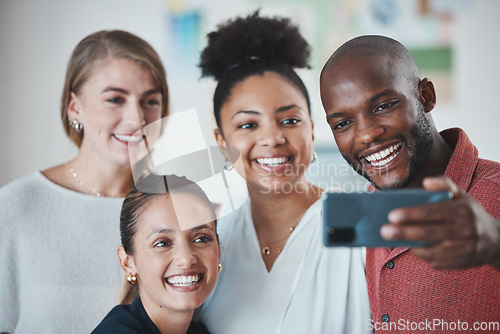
<point x="455" y="43"/>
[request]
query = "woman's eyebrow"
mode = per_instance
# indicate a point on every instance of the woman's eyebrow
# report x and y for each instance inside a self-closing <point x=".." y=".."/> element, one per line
<point x="123" y="91"/>
<point x="152" y="91"/>
<point x="202" y="227"/>
<point x="251" y="112"/>
<point x="161" y="230"/>
<point x="170" y="231"/>
<point x="286" y="108"/>
<point x="115" y="89"/>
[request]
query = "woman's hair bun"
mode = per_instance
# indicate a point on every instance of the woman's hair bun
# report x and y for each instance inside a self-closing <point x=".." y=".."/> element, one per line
<point x="253" y="38"/>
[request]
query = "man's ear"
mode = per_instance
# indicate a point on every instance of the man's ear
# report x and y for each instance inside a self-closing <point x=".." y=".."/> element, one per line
<point x="74" y="108"/>
<point x="427" y="94"/>
<point x="126" y="261"/>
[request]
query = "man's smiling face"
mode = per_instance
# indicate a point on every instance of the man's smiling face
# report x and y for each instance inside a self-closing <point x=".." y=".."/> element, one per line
<point x="377" y="119"/>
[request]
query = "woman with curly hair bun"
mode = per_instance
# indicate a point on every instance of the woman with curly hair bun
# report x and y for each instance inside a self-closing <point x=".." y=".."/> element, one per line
<point x="278" y="277"/>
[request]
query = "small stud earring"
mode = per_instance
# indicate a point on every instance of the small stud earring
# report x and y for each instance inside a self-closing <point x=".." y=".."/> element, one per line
<point x="220" y="267"/>
<point x="315" y="157"/>
<point x="131" y="278"/>
<point x="75" y="125"/>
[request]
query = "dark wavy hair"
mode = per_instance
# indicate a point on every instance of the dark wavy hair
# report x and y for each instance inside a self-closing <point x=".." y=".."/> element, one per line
<point x="252" y="45"/>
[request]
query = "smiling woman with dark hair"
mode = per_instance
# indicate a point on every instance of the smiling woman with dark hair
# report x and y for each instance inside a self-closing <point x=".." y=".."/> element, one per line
<point x="278" y="277"/>
<point x="170" y="249"/>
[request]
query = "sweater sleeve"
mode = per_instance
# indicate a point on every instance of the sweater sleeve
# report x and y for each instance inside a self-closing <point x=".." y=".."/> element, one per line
<point x="9" y="289"/>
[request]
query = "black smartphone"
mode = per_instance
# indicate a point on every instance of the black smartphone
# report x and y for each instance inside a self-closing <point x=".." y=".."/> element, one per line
<point x="355" y="219"/>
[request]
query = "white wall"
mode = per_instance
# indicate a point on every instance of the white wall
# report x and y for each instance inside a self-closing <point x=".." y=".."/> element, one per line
<point x="37" y="37"/>
<point x="478" y="77"/>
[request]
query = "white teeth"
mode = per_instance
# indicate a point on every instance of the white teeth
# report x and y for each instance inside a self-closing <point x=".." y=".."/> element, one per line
<point x="181" y="280"/>
<point x="384" y="162"/>
<point x="272" y="162"/>
<point x="376" y="158"/>
<point x="127" y="138"/>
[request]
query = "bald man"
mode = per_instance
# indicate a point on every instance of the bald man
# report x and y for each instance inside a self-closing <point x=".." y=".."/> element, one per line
<point x="378" y="109"/>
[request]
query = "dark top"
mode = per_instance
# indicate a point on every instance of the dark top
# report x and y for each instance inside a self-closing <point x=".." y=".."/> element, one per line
<point x="133" y="319"/>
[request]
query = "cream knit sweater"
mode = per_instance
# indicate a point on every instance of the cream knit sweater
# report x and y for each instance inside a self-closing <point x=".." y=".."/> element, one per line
<point x="59" y="272"/>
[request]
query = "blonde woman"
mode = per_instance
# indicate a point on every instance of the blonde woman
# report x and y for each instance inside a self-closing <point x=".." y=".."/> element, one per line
<point x="59" y="227"/>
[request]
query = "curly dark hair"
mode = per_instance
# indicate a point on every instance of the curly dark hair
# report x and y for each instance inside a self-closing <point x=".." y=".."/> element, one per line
<point x="252" y="45"/>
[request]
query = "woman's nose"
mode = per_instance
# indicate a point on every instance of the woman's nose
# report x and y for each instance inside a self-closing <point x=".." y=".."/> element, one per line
<point x="271" y="136"/>
<point x="134" y="115"/>
<point x="184" y="254"/>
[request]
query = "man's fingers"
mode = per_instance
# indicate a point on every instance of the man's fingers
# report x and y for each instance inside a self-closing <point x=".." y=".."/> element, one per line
<point x="429" y="232"/>
<point x="432" y="213"/>
<point x="447" y="254"/>
<point x="442" y="183"/>
<point x="421" y="213"/>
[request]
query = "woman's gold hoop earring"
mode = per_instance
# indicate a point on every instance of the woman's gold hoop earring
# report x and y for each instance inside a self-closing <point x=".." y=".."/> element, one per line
<point x="131" y="278"/>
<point x="315" y="157"/>
<point x="220" y="268"/>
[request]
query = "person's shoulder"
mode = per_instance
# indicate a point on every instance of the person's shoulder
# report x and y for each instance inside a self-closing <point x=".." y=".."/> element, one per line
<point x="318" y="206"/>
<point x="231" y="222"/>
<point x="21" y="184"/>
<point x="230" y="217"/>
<point x="119" y="320"/>
<point x="488" y="170"/>
<point x="21" y="190"/>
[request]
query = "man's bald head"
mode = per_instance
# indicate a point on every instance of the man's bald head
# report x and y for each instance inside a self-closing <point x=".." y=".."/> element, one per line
<point x="373" y="46"/>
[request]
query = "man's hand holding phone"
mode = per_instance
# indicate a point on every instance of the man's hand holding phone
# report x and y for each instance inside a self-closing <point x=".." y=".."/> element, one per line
<point x="355" y="219"/>
<point x="460" y="231"/>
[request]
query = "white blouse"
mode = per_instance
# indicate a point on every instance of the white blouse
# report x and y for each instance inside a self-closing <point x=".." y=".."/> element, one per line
<point x="310" y="288"/>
